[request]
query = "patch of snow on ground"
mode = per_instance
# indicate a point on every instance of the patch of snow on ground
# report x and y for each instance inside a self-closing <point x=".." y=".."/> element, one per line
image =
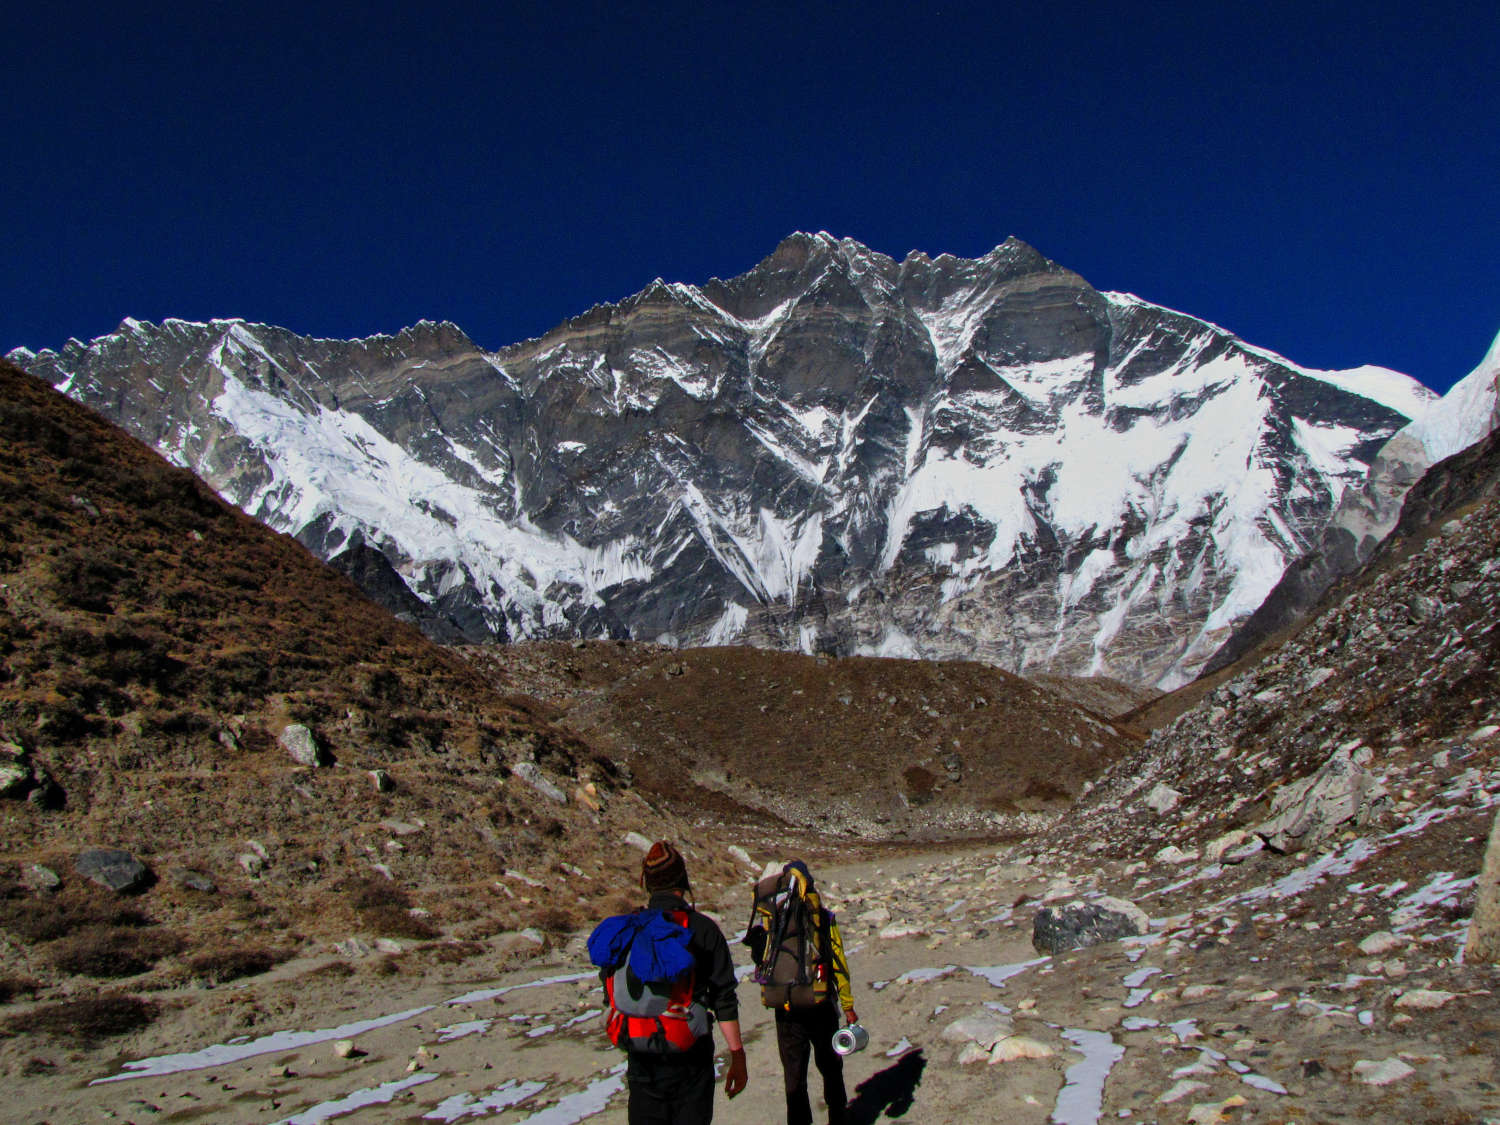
<point x="587" y="1102"/>
<point x="1081" y="1099"/>
<point x="501" y="1097"/>
<point x="224" y="1053"/>
<point x="360" y="1099"/>
<point x="997" y="975"/>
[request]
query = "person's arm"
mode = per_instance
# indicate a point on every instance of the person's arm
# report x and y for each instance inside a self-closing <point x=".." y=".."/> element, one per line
<point x="840" y="970"/>
<point x="737" y="1077"/>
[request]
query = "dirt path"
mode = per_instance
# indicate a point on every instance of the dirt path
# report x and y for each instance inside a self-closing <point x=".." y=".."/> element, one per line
<point x="1201" y="1020"/>
<point x="528" y="1045"/>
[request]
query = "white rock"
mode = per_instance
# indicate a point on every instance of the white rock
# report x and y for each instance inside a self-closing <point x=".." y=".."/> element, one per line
<point x="1183" y="1089"/>
<point x="1014" y="1047"/>
<point x="985" y="1028"/>
<point x="879" y="916"/>
<point x="1424" y="999"/>
<point x="347" y="1049"/>
<point x="636" y="840"/>
<point x="1381" y="1072"/>
<point x="1215" y="849"/>
<point x="972" y="1052"/>
<point x="1163" y="798"/>
<point x="532" y="776"/>
<point x="1380" y="943"/>
<point x="1174" y="855"/>
<point x="902" y="930"/>
<point x="741" y="855"/>
<point x="1213" y="1113"/>
<point x="302" y="747"/>
<point x="353" y="947"/>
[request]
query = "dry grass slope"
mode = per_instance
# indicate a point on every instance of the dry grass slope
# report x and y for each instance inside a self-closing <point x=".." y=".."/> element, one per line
<point x="154" y="643"/>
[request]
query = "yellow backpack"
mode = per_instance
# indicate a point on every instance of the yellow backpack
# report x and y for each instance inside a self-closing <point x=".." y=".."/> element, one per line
<point x="792" y="970"/>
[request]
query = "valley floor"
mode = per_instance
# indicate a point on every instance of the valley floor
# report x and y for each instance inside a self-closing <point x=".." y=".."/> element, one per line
<point x="1248" y="1001"/>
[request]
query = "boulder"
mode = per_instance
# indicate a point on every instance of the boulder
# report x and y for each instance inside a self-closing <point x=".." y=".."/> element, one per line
<point x="972" y="1052"/>
<point x="1163" y="799"/>
<point x="15" y="777"/>
<point x="532" y="776"/>
<point x="1381" y="1072"/>
<point x="1483" y="943"/>
<point x="983" y="1027"/>
<point x="1423" y="999"/>
<point x="1082" y="923"/>
<point x="298" y="741"/>
<point x="1380" y="943"/>
<point x="1309" y="811"/>
<point x="113" y="868"/>
<point x="1216" y="849"/>
<point x="190" y="880"/>
<point x="39" y="878"/>
<point x="383" y="782"/>
<point x="1014" y="1047"/>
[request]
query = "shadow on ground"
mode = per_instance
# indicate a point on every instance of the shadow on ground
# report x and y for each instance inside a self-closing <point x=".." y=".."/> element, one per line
<point x="889" y="1092"/>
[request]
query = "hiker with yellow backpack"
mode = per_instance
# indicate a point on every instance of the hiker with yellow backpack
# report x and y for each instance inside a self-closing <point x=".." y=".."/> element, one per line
<point x="801" y="970"/>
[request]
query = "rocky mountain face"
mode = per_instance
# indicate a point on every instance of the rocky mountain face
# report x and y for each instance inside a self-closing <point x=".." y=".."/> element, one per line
<point x="834" y="452"/>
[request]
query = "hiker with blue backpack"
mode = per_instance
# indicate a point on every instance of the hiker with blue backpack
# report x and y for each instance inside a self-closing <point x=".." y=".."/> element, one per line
<point x="667" y="976"/>
<point x="802" y="973"/>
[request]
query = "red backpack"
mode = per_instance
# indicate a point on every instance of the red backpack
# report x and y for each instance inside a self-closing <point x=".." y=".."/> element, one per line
<point x="654" y="1017"/>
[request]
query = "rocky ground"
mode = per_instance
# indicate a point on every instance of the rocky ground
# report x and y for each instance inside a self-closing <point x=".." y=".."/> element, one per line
<point x="1317" y="988"/>
<point x="1304" y="838"/>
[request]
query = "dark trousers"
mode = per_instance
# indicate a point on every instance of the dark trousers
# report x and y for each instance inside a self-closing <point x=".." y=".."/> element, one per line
<point x="677" y="1091"/>
<point x="804" y="1031"/>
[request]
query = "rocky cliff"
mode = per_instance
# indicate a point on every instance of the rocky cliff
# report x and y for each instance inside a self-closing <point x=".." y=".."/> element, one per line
<point x="833" y="452"/>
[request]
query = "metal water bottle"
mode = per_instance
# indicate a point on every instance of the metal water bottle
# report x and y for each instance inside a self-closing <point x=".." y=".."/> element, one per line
<point x="849" y="1039"/>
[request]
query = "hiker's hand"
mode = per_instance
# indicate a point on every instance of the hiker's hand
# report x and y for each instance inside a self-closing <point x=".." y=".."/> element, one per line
<point x="738" y="1077"/>
<point x="851" y="1017"/>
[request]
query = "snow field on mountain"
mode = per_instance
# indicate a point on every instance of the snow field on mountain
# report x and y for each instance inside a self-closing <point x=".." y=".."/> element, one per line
<point x="335" y="463"/>
<point x="1462" y="416"/>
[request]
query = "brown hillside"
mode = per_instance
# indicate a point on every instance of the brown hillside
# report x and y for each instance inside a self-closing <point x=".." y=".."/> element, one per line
<point x="154" y="643"/>
<point x="873" y="748"/>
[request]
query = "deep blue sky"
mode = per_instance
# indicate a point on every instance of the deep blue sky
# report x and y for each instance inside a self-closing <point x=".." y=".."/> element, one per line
<point x="1319" y="178"/>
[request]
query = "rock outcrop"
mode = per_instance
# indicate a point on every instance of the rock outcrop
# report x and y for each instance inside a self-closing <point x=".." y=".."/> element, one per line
<point x="1082" y="923"/>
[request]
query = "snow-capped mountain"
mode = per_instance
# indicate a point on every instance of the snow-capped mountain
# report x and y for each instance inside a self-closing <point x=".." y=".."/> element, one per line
<point x="835" y="451"/>
<point x="1367" y="514"/>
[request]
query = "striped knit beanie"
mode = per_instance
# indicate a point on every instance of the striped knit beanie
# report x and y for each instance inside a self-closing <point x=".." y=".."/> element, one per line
<point x="663" y="869"/>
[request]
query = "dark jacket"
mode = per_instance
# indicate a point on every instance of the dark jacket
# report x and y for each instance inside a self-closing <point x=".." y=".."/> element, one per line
<point x="714" y="983"/>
